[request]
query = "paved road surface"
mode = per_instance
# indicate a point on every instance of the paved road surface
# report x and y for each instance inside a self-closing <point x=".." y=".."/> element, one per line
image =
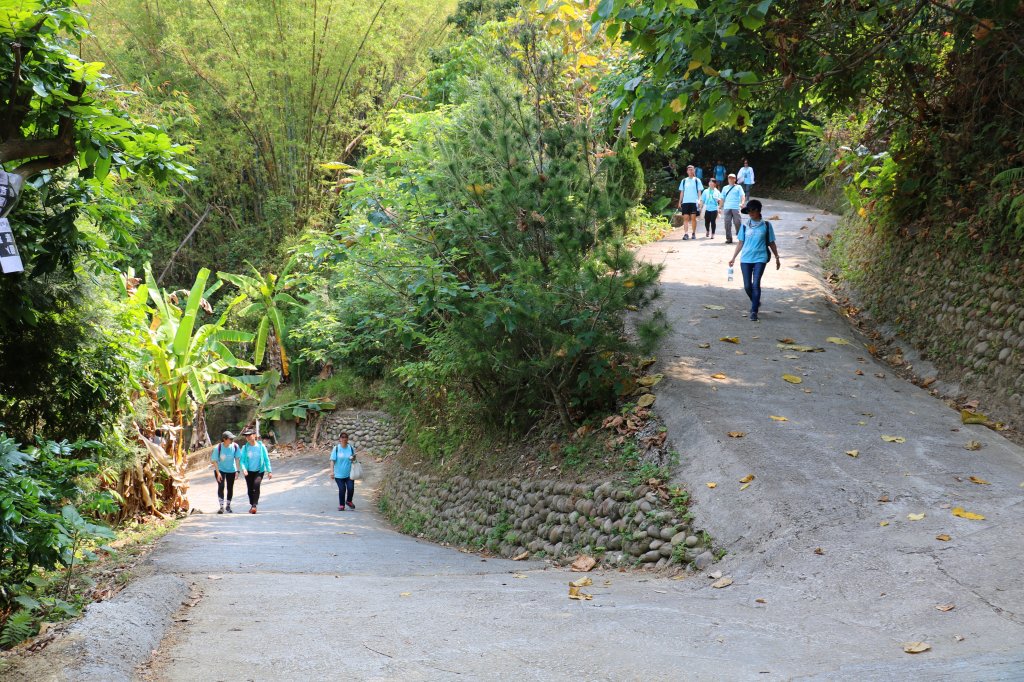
<point x="303" y="592"/>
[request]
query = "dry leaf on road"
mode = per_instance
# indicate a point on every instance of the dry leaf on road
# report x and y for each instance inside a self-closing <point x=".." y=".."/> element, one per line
<point x="574" y="593"/>
<point x="972" y="445"/>
<point x="712" y="485"/>
<point x="722" y="582"/>
<point x="405" y="594"/>
<point x="646" y="400"/>
<point x="915" y="517"/>
<point x="744" y="486"/>
<point x="838" y="341"/>
<point x="584" y="563"/>
<point x="585" y="581"/>
<point x="719" y="376"/>
<point x="730" y="339"/>
<point x="968" y="417"/>
<point x="519" y="576"/>
<point x="736" y="434"/>
<point x="916" y="647"/>
<point x="711" y="306"/>
<point x="792" y="379"/>
<point x="777" y="418"/>
<point x="703" y="345"/>
<point x="521" y="557"/>
<point x="819" y="551"/>
<point x="945" y="607"/>
<point x="943" y="537"/>
<point x="959" y="511"/>
<point x="883" y="523"/>
<point x="853" y="453"/>
<point x="979" y="481"/>
<point x="894" y="439"/>
<point x="748" y="478"/>
<point x="799" y="348"/>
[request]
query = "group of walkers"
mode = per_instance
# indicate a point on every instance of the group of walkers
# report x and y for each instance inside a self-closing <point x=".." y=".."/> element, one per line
<point x="755" y="237"/>
<point x="725" y="194"/>
<point x="252" y="460"/>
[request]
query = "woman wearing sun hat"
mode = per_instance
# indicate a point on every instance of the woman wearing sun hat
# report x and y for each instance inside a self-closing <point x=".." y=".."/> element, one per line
<point x="225" y="468"/>
<point x="755" y="238"/>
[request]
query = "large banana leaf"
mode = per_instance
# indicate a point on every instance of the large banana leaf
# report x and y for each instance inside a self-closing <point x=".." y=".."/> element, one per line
<point x="188" y="318"/>
<point x="261" y="340"/>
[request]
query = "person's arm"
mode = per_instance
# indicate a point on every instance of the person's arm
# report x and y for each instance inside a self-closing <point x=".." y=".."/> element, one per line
<point x="266" y="461"/>
<point x="739" y="246"/>
<point x="743" y="197"/>
<point x="680" y="204"/>
<point x="772" y="246"/>
<point x="213" y="462"/>
<point x="242" y="460"/>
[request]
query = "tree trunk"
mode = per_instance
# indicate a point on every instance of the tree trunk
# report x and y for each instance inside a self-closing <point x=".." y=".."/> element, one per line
<point x="200" y="433"/>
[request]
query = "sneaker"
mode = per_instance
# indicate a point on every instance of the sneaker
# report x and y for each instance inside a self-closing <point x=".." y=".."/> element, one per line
<point x="351" y="506"/>
<point x="221" y="510"/>
<point x="341" y="507"/>
<point x="707" y="235"/>
<point x="685" y="237"/>
<point x="753" y="317"/>
<point x="252" y="510"/>
<point x="229" y="509"/>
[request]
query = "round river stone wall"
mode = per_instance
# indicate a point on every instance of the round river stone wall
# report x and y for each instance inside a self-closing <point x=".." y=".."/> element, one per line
<point x="370" y="431"/>
<point x="621" y="524"/>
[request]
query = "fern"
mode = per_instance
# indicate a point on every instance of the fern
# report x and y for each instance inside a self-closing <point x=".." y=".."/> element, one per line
<point x="19" y="627"/>
<point x="1008" y="176"/>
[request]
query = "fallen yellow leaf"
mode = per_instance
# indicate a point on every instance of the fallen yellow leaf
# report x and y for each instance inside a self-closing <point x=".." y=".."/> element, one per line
<point x="405" y="594"/>
<point x="800" y="348"/>
<point x="838" y="341"/>
<point x="979" y="481"/>
<point x="777" y="418"/>
<point x="972" y="445"/>
<point x="650" y="380"/>
<point x="521" y="557"/>
<point x="853" y="453"/>
<point x="719" y="376"/>
<point x="792" y="379"/>
<point x="519" y="576"/>
<point x="744" y="486"/>
<point x="883" y="523"/>
<point x="585" y="581"/>
<point x="712" y="485"/>
<point x="574" y="593"/>
<point x="959" y="511"/>
<point x="945" y="607"/>
<point x="748" y="478"/>
<point x="761" y="601"/>
<point x="703" y="345"/>
<point x="711" y="306"/>
<point x="916" y="647"/>
<point x="894" y="439"/>
<point x="943" y="537"/>
<point x="722" y="582"/>
<point x="730" y="339"/>
<point x="968" y="417"/>
<point x="736" y="434"/>
<point x="915" y="517"/>
<point x="646" y="400"/>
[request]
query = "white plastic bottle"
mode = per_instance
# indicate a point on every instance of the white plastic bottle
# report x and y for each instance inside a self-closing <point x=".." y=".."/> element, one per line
<point x="730" y="273"/>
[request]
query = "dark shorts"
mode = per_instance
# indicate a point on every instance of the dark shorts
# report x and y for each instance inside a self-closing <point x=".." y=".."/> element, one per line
<point x="689" y="209"/>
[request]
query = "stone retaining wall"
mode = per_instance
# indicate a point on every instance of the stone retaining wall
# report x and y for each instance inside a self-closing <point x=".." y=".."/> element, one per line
<point x="622" y="524"/>
<point x="965" y="317"/>
<point x="370" y="431"/>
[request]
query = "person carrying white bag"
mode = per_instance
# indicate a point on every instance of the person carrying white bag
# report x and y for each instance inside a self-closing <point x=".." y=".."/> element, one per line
<point x="346" y="470"/>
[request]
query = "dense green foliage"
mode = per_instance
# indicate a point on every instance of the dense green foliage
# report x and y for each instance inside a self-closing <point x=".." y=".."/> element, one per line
<point x="268" y="92"/>
<point x="480" y="260"/>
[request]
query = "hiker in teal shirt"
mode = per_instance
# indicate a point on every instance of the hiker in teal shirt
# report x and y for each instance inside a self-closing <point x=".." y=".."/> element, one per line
<point x="225" y="468"/>
<point x="343" y="455"/>
<point x="756" y="245"/>
<point x="255" y="462"/>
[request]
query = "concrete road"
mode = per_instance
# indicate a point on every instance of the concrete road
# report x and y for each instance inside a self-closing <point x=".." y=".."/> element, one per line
<point x="822" y="590"/>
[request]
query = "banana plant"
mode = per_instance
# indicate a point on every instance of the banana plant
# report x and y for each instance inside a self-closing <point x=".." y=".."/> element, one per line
<point x="268" y="297"/>
<point x="189" y="363"/>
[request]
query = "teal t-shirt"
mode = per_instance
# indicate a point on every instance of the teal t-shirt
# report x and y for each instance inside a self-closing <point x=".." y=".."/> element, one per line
<point x="755" y="237"/>
<point x="733" y="197"/>
<point x="720" y="174"/>
<point x="255" y="458"/>
<point x="225" y="458"/>
<point x="691" y="188"/>
<point x="342" y="458"/>
<point x="710" y="198"/>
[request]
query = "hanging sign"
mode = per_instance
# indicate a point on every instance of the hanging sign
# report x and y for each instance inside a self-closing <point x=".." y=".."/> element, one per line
<point x="10" y="187"/>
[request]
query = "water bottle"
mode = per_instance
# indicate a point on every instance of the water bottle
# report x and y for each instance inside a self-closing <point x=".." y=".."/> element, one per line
<point x="730" y="273"/>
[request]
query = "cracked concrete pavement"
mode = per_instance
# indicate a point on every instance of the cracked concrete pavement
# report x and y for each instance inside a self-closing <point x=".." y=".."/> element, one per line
<point x="301" y="591"/>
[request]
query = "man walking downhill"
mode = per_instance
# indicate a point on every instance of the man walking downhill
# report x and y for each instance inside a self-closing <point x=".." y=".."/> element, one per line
<point x="689" y="194"/>
<point x="733" y="199"/>
<point x="746" y="178"/>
